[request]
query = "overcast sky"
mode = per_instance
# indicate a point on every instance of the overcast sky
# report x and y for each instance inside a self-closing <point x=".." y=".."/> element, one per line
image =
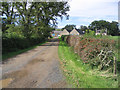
<point x="83" y="12"/>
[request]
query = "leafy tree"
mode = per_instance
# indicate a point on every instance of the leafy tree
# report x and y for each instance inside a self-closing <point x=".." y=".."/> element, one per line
<point x="29" y="23"/>
<point x="33" y="15"/>
<point x="102" y="24"/>
<point x="112" y="28"/>
<point x="47" y="13"/>
<point x="25" y="17"/>
<point x="4" y="22"/>
<point x="58" y="29"/>
<point x="69" y="27"/>
<point x="7" y="10"/>
<point x="102" y="31"/>
<point x="83" y="28"/>
<point x="89" y="33"/>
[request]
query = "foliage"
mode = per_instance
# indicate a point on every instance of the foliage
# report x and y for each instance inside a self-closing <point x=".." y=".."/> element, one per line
<point x="83" y="28"/>
<point x="69" y="27"/>
<point x="102" y="31"/>
<point x="58" y="29"/>
<point x="96" y="52"/>
<point x="12" y="54"/>
<point x="80" y="75"/>
<point x="14" y="44"/>
<point x="112" y="27"/>
<point x="89" y="33"/>
<point x="28" y="23"/>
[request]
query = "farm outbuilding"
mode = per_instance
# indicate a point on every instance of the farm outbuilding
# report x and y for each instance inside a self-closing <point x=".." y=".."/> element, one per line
<point x="76" y="32"/>
<point x="66" y="32"/>
<point x="56" y="33"/>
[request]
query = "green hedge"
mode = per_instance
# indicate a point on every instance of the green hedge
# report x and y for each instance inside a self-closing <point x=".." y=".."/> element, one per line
<point x="97" y="52"/>
<point x="14" y="44"/>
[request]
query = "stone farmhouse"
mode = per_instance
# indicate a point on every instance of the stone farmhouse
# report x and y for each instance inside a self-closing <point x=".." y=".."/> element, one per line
<point x="67" y="32"/>
<point x="76" y="32"/>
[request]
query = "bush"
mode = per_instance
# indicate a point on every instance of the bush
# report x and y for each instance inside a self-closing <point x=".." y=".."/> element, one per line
<point x="94" y="51"/>
<point x="14" y="44"/>
<point x="13" y="39"/>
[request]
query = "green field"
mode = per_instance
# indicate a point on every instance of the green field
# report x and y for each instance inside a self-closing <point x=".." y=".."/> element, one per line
<point x="81" y="75"/>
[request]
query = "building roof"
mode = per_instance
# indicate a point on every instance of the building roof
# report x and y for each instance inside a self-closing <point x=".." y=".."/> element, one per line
<point x="80" y="31"/>
<point x="69" y="30"/>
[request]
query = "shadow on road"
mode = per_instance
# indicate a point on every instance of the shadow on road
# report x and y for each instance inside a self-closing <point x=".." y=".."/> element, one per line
<point x="52" y="42"/>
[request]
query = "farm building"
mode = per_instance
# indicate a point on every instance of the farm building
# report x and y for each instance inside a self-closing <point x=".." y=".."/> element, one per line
<point x="76" y="32"/>
<point x="98" y="32"/>
<point x="66" y="32"/>
<point x="56" y="33"/>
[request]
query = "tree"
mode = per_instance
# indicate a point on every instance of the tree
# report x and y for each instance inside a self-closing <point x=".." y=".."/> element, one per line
<point x="8" y="12"/>
<point x="83" y="28"/>
<point x="102" y="24"/>
<point x="58" y="29"/>
<point x="25" y="17"/>
<point x="69" y="27"/>
<point x="46" y="13"/>
<point x="29" y="23"/>
<point x="37" y="17"/>
<point x="112" y="28"/>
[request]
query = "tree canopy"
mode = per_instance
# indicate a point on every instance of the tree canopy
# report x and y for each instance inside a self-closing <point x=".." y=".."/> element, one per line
<point x="69" y="27"/>
<point x="25" y="24"/>
<point x="83" y="28"/>
<point x="112" y="27"/>
<point x="37" y="17"/>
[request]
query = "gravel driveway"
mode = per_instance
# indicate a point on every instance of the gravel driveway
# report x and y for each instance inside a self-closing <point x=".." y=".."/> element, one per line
<point x="37" y="68"/>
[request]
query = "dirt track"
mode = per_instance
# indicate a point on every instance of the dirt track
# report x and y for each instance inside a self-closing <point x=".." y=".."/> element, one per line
<point x="37" y="68"/>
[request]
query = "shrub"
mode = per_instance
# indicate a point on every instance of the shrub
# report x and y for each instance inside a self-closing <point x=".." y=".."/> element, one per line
<point x="94" y="51"/>
<point x="14" y="44"/>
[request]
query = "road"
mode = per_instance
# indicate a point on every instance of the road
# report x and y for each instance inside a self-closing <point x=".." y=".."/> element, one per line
<point x="36" y="68"/>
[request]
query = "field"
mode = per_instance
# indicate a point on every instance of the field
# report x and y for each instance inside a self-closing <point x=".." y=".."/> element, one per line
<point x="81" y="75"/>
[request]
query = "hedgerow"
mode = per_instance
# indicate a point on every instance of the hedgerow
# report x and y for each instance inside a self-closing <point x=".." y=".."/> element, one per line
<point x="97" y="52"/>
<point x="14" y="44"/>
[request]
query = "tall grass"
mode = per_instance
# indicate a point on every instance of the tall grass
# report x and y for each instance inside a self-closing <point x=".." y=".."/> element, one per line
<point x="81" y="75"/>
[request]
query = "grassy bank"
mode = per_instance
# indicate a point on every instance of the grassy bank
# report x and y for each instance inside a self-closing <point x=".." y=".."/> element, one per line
<point x="12" y="54"/>
<point x="81" y="75"/>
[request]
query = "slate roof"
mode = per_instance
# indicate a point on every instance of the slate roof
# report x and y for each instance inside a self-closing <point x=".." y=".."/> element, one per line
<point x="80" y="31"/>
<point x="69" y="30"/>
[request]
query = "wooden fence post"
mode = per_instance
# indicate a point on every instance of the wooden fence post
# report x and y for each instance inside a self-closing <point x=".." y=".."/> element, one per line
<point x="114" y="68"/>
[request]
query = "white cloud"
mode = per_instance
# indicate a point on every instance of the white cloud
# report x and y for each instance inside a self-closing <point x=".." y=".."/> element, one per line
<point x="85" y="11"/>
<point x="92" y="8"/>
<point x="77" y="26"/>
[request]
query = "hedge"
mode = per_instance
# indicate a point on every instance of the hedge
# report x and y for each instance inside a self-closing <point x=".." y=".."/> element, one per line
<point x="97" y="52"/>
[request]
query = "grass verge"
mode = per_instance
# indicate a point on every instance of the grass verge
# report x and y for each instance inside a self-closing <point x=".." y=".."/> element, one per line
<point x="12" y="54"/>
<point x="81" y="75"/>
